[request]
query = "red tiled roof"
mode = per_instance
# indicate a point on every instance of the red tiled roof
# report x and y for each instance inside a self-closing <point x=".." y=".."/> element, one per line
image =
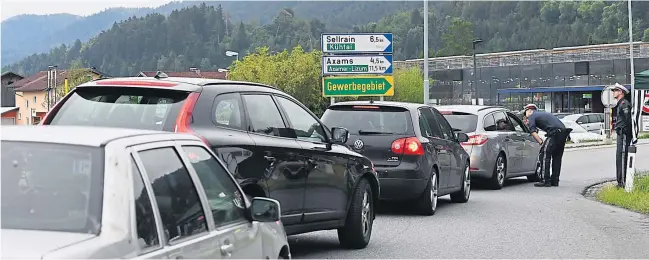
<point x="190" y="74"/>
<point x="38" y="81"/>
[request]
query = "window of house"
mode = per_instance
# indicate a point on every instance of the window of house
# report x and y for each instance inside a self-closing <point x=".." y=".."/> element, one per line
<point x="27" y="103"/>
<point x="34" y="99"/>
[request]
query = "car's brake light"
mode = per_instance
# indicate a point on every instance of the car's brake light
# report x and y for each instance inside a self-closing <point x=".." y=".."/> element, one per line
<point x="185" y="117"/>
<point x="50" y="115"/>
<point x="138" y="83"/>
<point x="407" y="146"/>
<point x="366" y="107"/>
<point x="476" y="140"/>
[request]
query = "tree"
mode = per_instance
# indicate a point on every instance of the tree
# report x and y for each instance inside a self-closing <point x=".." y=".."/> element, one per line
<point x="296" y="72"/>
<point x="408" y="85"/>
<point x="458" y="38"/>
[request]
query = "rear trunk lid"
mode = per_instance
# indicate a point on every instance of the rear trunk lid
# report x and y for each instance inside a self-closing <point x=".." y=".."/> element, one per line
<point x="462" y="122"/>
<point x="117" y="106"/>
<point x="372" y="129"/>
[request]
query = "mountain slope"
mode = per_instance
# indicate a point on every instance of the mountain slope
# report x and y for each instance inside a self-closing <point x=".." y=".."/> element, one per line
<point x="29" y="34"/>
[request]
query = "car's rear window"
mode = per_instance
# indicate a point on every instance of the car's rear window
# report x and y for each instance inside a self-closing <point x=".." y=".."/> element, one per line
<point x="52" y="187"/>
<point x="383" y="119"/>
<point x="125" y="107"/>
<point x="465" y="122"/>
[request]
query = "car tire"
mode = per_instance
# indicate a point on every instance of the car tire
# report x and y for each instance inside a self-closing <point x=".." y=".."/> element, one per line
<point x="357" y="231"/>
<point x="462" y="196"/>
<point x="536" y="176"/>
<point x="497" y="179"/>
<point x="427" y="201"/>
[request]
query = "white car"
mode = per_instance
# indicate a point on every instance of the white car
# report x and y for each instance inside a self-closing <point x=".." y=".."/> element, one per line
<point x="592" y="122"/>
<point x="87" y="192"/>
<point x="578" y="134"/>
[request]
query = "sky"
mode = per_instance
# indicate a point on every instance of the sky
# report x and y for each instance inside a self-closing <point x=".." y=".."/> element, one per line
<point x="79" y="7"/>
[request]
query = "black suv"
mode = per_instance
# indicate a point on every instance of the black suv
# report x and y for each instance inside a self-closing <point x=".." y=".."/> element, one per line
<point x="415" y="151"/>
<point x="271" y="143"/>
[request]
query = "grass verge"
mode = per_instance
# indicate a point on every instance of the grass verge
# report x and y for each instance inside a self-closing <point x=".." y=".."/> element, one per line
<point x="637" y="200"/>
<point x="643" y="136"/>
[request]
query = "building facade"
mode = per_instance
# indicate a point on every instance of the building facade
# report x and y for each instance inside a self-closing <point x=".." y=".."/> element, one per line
<point x="32" y="93"/>
<point x="559" y="80"/>
<point x="8" y="93"/>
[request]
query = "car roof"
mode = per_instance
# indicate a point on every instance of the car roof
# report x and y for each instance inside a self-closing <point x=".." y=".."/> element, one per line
<point x="79" y="135"/>
<point x="184" y="84"/>
<point x="406" y="105"/>
<point x="473" y="109"/>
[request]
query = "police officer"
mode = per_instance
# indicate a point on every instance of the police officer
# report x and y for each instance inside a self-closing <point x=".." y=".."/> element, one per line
<point x="623" y="132"/>
<point x="552" y="148"/>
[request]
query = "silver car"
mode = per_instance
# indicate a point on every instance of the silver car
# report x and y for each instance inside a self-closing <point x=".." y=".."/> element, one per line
<point x="500" y="145"/>
<point x="88" y="192"/>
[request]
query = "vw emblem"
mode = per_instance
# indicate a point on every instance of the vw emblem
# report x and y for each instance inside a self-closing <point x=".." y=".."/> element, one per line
<point x="358" y="144"/>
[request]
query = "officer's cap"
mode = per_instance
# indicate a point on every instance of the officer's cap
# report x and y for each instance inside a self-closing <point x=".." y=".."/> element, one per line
<point x="530" y="106"/>
<point x="617" y="86"/>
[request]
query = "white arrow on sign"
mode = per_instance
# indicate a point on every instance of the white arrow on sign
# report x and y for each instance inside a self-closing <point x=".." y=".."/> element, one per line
<point x="357" y="43"/>
<point x="342" y="65"/>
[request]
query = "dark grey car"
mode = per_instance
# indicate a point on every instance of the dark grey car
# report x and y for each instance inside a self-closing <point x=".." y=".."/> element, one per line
<point x="500" y="145"/>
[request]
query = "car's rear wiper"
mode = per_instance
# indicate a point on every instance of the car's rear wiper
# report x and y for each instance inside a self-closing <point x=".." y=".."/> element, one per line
<point x="363" y="132"/>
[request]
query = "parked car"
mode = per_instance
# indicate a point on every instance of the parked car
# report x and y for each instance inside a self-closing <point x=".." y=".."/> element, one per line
<point x="578" y="134"/>
<point x="561" y="115"/>
<point x="81" y="192"/>
<point x="416" y="154"/>
<point x="273" y="145"/>
<point x="592" y="122"/>
<point x="500" y="144"/>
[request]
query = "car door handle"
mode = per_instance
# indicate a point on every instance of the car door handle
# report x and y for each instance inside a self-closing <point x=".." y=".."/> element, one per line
<point x="226" y="250"/>
<point x="270" y="158"/>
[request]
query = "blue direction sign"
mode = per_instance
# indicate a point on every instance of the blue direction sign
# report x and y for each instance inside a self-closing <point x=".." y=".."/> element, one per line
<point x="357" y="43"/>
<point x="354" y="64"/>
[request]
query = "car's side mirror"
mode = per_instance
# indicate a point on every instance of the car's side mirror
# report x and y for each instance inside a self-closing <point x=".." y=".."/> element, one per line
<point x="265" y="210"/>
<point x="340" y="135"/>
<point x="462" y="137"/>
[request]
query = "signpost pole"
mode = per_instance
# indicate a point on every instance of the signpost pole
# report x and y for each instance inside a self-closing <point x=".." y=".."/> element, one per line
<point x="426" y="82"/>
<point x="630" y="167"/>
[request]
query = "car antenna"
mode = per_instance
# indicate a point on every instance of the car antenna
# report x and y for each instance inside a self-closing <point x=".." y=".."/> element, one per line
<point x="160" y="74"/>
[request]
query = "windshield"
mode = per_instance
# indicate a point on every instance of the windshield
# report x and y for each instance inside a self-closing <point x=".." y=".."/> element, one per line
<point x="576" y="128"/>
<point x="560" y="116"/>
<point x="369" y="120"/>
<point x="125" y="107"/>
<point x="464" y="121"/>
<point x="51" y="187"/>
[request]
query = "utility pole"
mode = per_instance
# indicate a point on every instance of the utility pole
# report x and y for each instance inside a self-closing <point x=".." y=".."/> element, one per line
<point x="630" y="163"/>
<point x="49" y="86"/>
<point x="426" y="82"/>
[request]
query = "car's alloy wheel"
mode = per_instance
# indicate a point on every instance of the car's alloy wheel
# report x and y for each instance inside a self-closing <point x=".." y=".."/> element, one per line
<point x="467" y="183"/>
<point x="366" y="214"/>
<point x="462" y="196"/>
<point x="433" y="192"/>
<point x="501" y="170"/>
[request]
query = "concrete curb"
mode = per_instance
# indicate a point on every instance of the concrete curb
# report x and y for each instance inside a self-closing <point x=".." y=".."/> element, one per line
<point x="590" y="192"/>
<point x="601" y="144"/>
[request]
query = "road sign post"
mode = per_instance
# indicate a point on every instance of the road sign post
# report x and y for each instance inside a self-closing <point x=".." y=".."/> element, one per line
<point x="609" y="102"/>
<point x="357" y="64"/>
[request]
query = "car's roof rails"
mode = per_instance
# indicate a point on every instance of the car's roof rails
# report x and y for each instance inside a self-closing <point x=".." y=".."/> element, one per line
<point x="160" y="75"/>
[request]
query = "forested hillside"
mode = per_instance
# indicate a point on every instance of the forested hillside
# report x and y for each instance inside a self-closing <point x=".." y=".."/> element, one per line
<point x="200" y="35"/>
<point x="28" y="34"/>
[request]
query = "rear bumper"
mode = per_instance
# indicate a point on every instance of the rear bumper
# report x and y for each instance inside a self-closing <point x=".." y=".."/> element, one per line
<point x="404" y="182"/>
<point x="482" y="161"/>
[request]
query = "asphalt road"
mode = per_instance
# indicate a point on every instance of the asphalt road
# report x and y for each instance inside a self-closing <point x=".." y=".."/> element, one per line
<point x="519" y="221"/>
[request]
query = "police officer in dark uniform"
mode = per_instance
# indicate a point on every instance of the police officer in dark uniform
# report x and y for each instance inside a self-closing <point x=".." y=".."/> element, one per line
<point x="552" y="148"/>
<point x="623" y="132"/>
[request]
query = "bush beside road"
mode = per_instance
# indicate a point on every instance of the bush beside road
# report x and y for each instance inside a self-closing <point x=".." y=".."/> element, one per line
<point x="637" y="200"/>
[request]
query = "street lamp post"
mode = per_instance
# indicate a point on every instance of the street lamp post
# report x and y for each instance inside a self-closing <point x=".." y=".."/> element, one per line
<point x="426" y="82"/>
<point x="630" y="163"/>
<point x="475" y="72"/>
<point x="232" y="53"/>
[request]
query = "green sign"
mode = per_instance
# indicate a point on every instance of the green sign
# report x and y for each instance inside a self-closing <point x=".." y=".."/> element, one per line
<point x="587" y="96"/>
<point x="358" y="86"/>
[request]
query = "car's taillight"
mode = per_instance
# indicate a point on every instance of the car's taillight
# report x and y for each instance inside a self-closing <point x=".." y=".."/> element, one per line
<point x="184" y="118"/>
<point x="476" y="140"/>
<point x="50" y="115"/>
<point x="407" y="146"/>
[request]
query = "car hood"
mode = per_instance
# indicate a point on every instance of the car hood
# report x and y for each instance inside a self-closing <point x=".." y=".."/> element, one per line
<point x="34" y="244"/>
